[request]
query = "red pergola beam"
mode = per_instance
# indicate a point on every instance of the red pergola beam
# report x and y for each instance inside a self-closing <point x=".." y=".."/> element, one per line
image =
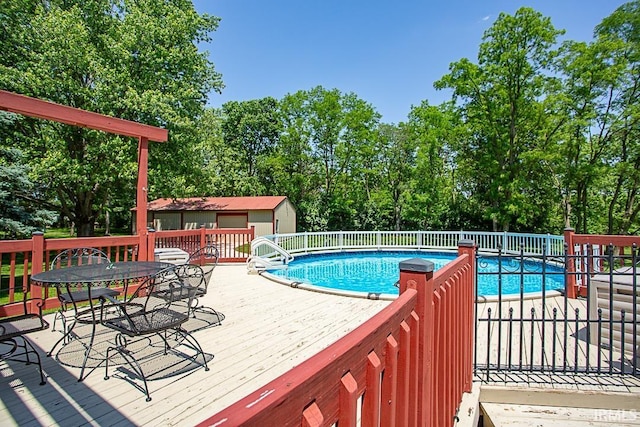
<point x="39" y="108"/>
<point x="73" y="116"/>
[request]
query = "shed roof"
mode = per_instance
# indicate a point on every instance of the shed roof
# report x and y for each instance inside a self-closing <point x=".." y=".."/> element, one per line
<point x="217" y="203"/>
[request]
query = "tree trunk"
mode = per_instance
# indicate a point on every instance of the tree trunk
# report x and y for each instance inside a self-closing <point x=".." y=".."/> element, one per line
<point x="84" y="214"/>
<point x="86" y="229"/>
<point x="107" y="224"/>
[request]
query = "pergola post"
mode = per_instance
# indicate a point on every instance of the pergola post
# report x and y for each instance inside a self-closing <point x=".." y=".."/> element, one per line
<point x="141" y="196"/>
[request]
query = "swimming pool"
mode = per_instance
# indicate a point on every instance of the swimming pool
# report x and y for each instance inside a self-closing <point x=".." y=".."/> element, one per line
<point x="378" y="271"/>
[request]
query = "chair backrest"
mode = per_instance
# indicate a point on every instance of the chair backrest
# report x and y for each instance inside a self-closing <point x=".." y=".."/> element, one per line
<point x="171" y="285"/>
<point x="191" y="273"/>
<point x="208" y="255"/>
<point x="165" y="292"/>
<point x="79" y="256"/>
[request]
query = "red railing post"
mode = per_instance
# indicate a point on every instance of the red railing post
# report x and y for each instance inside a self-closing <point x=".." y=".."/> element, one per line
<point x="37" y="259"/>
<point x="417" y="274"/>
<point x="203" y="236"/>
<point x="468" y="247"/>
<point x="151" y="245"/>
<point x="570" y="279"/>
<point x="37" y="252"/>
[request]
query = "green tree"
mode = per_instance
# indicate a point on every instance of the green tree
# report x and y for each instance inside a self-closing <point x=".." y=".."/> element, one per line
<point x="435" y="130"/>
<point x="600" y="161"/>
<point x="291" y="164"/>
<point x="352" y="201"/>
<point x="251" y="130"/>
<point x="392" y="169"/>
<point x="501" y="102"/>
<point x="19" y="195"/>
<point x="619" y="34"/>
<point x="218" y="167"/>
<point x="581" y="167"/>
<point x="136" y="60"/>
<point x="318" y="160"/>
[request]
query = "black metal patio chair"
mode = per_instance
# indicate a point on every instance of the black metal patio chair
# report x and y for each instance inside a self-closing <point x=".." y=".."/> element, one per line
<point x="80" y="294"/>
<point x="159" y="306"/>
<point x="14" y="331"/>
<point x="207" y="258"/>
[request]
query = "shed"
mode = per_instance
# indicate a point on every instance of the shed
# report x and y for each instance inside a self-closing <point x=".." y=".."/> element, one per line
<point x="268" y="214"/>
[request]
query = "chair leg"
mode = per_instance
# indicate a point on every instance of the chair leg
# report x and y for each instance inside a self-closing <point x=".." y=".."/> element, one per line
<point x="65" y="328"/>
<point x="64" y="337"/>
<point x="34" y="351"/>
<point x="27" y="347"/>
<point x="194" y="306"/>
<point x="60" y="314"/>
<point x="121" y="344"/>
<point x="55" y="318"/>
<point x="203" y="308"/>
<point x="194" y="345"/>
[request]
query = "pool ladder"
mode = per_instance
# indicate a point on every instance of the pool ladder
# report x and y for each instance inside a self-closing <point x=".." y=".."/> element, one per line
<point x="279" y="259"/>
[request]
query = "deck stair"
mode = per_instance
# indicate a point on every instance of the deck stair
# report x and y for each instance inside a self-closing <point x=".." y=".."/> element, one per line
<point x="506" y="406"/>
<point x="614" y="294"/>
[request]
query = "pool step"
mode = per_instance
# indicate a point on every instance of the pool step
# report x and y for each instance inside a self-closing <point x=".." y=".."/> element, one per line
<point x="256" y="264"/>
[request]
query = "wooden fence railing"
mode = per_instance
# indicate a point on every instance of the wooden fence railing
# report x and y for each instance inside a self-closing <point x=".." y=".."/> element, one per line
<point x="19" y="259"/>
<point x="407" y="366"/>
<point x="583" y="246"/>
<point x="234" y="244"/>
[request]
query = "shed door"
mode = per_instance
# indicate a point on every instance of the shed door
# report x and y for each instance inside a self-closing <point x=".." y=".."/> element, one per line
<point x="232" y="220"/>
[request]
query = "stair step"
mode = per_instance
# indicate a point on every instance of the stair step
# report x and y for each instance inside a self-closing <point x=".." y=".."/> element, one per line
<point x="507" y="414"/>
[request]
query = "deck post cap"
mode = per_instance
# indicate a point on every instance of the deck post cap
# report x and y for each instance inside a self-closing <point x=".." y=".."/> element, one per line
<point x="467" y="243"/>
<point x="417" y="265"/>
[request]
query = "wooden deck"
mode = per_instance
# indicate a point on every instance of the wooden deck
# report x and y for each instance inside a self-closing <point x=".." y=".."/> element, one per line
<point x="267" y="329"/>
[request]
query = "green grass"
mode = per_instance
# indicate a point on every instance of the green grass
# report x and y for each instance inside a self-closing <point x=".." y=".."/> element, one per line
<point x="62" y="233"/>
<point x="5" y="271"/>
<point x="245" y="249"/>
<point x="57" y="233"/>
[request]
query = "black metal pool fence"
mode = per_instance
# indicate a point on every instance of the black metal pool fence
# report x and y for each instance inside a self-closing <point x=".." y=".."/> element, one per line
<point x="596" y="333"/>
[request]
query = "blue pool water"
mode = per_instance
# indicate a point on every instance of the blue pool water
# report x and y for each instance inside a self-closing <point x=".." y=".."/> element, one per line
<point x="377" y="272"/>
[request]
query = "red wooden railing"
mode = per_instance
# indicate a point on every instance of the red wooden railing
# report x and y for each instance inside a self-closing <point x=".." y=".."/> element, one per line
<point x="27" y="257"/>
<point x="406" y="366"/>
<point x="36" y="254"/>
<point x="230" y="241"/>
<point x="578" y="243"/>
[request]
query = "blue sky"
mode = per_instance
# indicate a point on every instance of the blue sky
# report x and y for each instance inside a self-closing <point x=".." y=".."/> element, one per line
<point x="387" y="53"/>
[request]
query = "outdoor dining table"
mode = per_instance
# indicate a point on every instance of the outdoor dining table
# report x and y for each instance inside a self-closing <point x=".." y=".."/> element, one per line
<point x="89" y="275"/>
